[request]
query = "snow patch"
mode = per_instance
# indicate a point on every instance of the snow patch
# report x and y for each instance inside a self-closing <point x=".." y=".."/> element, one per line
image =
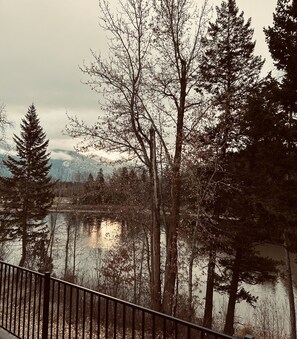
<point x="61" y="156"/>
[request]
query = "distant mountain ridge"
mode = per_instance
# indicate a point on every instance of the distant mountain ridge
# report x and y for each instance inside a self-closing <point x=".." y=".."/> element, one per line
<point x="68" y="165"/>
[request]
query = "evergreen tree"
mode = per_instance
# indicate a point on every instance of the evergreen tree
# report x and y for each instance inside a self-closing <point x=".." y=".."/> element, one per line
<point x="100" y="187"/>
<point x="100" y="178"/>
<point x="282" y="43"/>
<point x="228" y="70"/>
<point x="28" y="193"/>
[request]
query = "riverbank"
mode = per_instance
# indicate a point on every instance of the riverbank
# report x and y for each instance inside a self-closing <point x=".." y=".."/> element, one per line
<point x="63" y="205"/>
<point x="98" y="209"/>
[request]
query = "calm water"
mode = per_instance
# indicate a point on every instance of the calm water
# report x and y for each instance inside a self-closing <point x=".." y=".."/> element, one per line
<point x="81" y="243"/>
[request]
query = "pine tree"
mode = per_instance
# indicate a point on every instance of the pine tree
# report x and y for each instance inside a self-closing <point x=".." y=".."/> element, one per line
<point x="228" y="70"/>
<point x="282" y="43"/>
<point x="28" y="193"/>
<point x="100" y="178"/>
<point x="100" y="187"/>
<point x="282" y="39"/>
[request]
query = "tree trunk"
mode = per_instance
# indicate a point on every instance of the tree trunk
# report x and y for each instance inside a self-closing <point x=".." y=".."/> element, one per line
<point x="52" y="234"/>
<point x="290" y="289"/>
<point x="67" y="252"/>
<point x="134" y="272"/>
<point x="24" y="245"/>
<point x="229" y="324"/>
<point x="171" y="253"/>
<point x="74" y="251"/>
<point x="207" y="319"/>
<point x="155" y="228"/>
<point x="190" y="284"/>
<point x="24" y="252"/>
<point x="140" y="291"/>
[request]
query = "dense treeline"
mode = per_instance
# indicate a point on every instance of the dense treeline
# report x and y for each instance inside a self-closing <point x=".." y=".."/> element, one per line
<point x="125" y="186"/>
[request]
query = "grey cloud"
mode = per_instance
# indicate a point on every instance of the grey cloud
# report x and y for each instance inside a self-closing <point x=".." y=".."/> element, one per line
<point x="43" y="43"/>
<point x="42" y="46"/>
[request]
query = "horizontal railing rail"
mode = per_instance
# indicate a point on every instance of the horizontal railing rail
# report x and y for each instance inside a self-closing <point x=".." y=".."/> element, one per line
<point x="35" y="305"/>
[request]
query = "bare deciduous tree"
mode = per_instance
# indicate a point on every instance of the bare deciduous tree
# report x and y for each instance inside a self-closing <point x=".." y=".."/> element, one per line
<point x="4" y="123"/>
<point x="150" y="103"/>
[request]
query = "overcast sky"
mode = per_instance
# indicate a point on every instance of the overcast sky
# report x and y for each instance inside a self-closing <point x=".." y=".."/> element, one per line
<point x="42" y="45"/>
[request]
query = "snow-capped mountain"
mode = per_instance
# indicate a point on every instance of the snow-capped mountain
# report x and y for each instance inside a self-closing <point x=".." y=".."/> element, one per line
<point x="67" y="165"/>
<point x="70" y="165"/>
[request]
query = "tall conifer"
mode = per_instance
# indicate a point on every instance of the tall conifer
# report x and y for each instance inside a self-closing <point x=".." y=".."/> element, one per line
<point x="28" y="192"/>
<point x="228" y="72"/>
<point x="229" y="69"/>
<point x="282" y="43"/>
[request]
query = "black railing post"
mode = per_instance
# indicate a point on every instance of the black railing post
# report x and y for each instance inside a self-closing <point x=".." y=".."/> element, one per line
<point x="46" y="296"/>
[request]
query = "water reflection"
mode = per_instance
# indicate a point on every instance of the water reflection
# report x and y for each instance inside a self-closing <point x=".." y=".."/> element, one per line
<point x="88" y="249"/>
<point x="106" y="236"/>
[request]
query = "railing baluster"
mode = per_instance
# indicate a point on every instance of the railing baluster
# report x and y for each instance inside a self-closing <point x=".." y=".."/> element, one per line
<point x="154" y="327"/>
<point x="99" y="316"/>
<point x="84" y="315"/>
<point x="52" y="309"/>
<point x="11" y="300"/>
<point x="34" y="306"/>
<point x="29" y="305"/>
<point x="77" y="308"/>
<point x="8" y="315"/>
<point x="46" y="297"/>
<point x="64" y="310"/>
<point x="2" y="281"/>
<point x="188" y="332"/>
<point x="25" y="303"/>
<point x="124" y="321"/>
<point x="70" y="313"/>
<point x="106" y="317"/>
<point x="7" y="299"/>
<point x="20" y="304"/>
<point x="91" y="316"/>
<point x="115" y="320"/>
<point x="40" y="284"/>
<point x="15" y="299"/>
<point x="4" y="293"/>
<point x="58" y="310"/>
<point x="133" y="322"/>
<point x="3" y="300"/>
<point x="143" y="325"/>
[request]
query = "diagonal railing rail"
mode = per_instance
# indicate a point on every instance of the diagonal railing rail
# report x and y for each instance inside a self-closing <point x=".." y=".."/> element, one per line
<point x="35" y="305"/>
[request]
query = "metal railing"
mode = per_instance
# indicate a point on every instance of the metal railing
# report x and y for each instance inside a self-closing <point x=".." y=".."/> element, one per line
<point x="35" y="305"/>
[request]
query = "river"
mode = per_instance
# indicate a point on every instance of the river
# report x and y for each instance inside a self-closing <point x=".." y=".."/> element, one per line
<point x="95" y="251"/>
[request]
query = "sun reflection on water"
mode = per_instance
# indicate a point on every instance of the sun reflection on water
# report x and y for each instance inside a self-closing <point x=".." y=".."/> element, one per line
<point x="107" y="235"/>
